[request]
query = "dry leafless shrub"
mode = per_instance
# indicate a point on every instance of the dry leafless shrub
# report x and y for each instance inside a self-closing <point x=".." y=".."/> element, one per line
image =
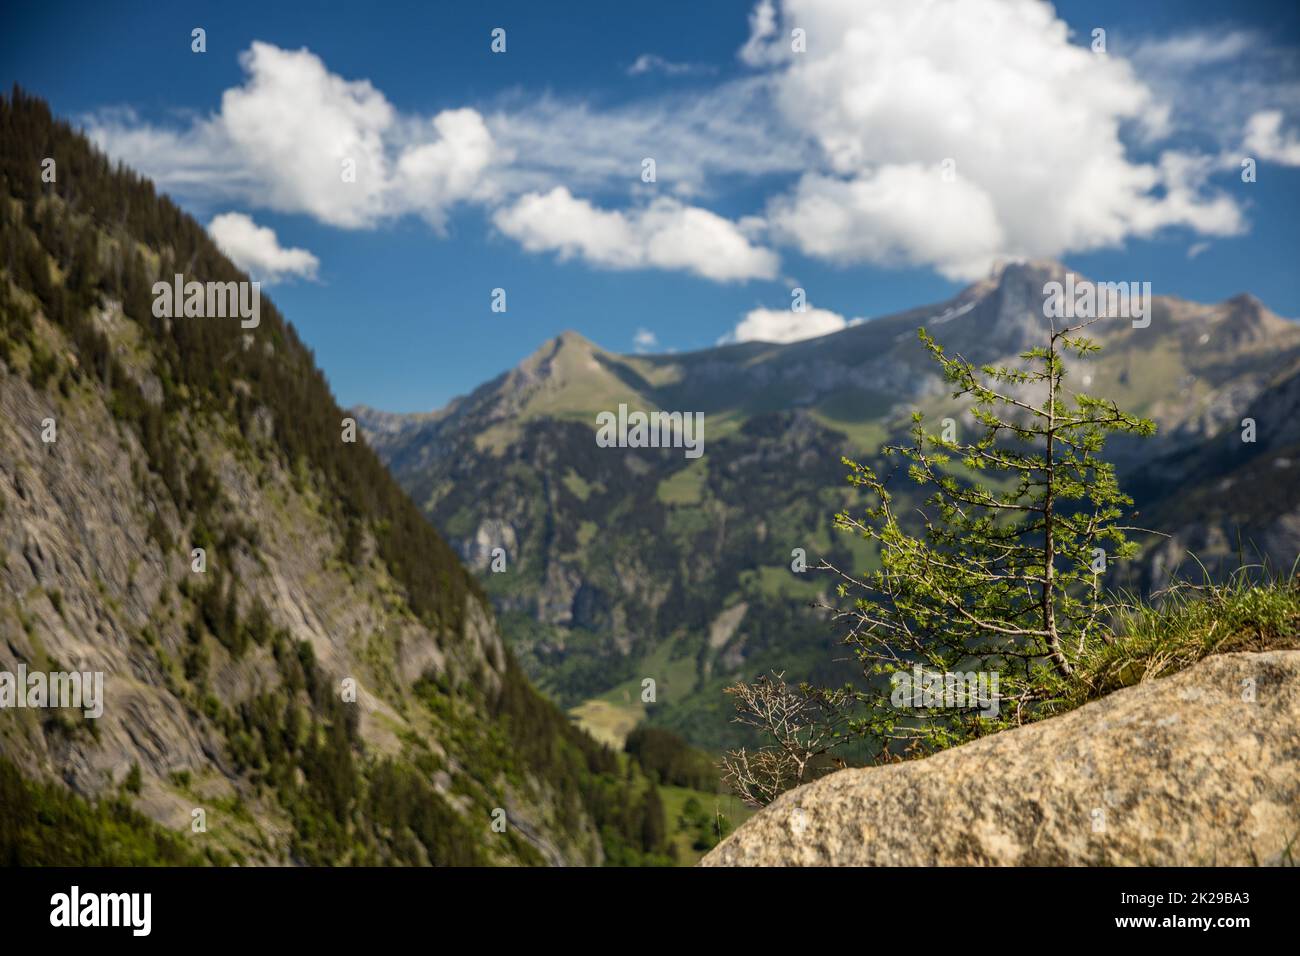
<point x="803" y="723"/>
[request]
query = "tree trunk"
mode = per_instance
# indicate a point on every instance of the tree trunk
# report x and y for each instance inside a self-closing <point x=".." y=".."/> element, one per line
<point x="1049" y="540"/>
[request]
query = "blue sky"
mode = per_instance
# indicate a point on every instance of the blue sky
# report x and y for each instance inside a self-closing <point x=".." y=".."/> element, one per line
<point x="818" y="168"/>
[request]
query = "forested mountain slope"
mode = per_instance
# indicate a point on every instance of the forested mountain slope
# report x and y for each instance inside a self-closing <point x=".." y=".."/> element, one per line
<point x="127" y="441"/>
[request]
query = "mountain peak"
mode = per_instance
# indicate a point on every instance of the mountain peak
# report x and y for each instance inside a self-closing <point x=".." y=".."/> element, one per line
<point x="1245" y="303"/>
<point x="1022" y="271"/>
<point x="546" y="375"/>
<point x="572" y="337"/>
<point x="1248" y="320"/>
<point x="570" y="340"/>
<point x="1005" y="310"/>
<point x="568" y="344"/>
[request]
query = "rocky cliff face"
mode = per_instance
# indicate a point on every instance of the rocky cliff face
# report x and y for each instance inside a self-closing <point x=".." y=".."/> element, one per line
<point x="85" y="585"/>
<point x="1201" y="768"/>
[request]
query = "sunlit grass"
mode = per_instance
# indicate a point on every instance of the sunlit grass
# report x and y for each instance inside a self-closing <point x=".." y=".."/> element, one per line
<point x="1186" y="624"/>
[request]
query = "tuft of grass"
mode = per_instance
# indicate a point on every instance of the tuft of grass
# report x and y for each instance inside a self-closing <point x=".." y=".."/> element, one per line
<point x="1186" y="624"/>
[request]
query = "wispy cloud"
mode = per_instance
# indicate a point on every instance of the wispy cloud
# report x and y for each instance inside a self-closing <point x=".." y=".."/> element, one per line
<point x="701" y="140"/>
<point x="1265" y="139"/>
<point x="1195" y="49"/>
<point x="1216" y="82"/>
<point x="654" y="63"/>
<point x="645" y="341"/>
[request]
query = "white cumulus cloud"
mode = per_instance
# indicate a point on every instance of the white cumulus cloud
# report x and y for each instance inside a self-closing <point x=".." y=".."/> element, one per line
<point x="295" y="137"/>
<point x="295" y="124"/>
<point x="257" y="250"/>
<point x="665" y="234"/>
<point x="786" y="325"/>
<point x="1030" y="121"/>
<point x="432" y="176"/>
<point x="896" y="215"/>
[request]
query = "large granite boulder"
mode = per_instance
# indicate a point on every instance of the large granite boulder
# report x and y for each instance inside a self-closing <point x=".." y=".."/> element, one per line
<point x="1199" y="768"/>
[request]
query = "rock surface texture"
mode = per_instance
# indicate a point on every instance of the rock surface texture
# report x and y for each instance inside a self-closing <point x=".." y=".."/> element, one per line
<point x="1199" y="768"/>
